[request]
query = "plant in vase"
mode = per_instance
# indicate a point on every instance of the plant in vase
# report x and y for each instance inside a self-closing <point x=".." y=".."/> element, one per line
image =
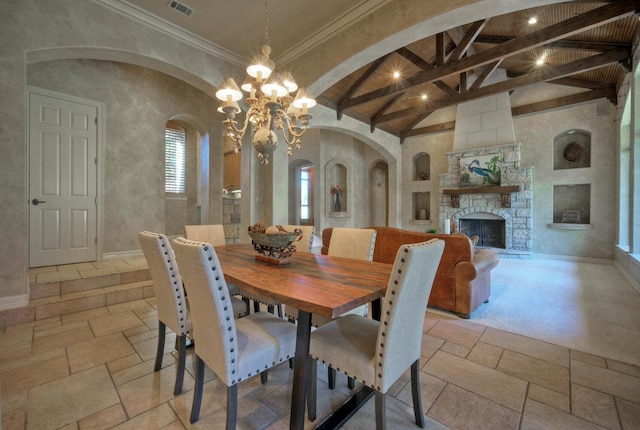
<point x="337" y="207"/>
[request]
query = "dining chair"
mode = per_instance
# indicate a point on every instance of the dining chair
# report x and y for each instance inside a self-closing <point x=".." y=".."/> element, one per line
<point x="304" y="244"/>
<point x="377" y="353"/>
<point x="213" y="234"/>
<point x="207" y="233"/>
<point x="172" y="303"/>
<point x="356" y="243"/>
<point x="234" y="350"/>
<point x="173" y="310"/>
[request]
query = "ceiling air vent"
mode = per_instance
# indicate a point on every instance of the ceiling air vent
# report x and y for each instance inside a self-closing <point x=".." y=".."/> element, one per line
<point x="180" y="7"/>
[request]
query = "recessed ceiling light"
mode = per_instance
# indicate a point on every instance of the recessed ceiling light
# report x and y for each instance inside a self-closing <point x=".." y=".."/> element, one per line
<point x="424" y="97"/>
<point x="532" y="20"/>
<point x="396" y="75"/>
<point x="540" y="61"/>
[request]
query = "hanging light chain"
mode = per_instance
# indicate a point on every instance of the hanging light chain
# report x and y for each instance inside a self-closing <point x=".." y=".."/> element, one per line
<point x="266" y="23"/>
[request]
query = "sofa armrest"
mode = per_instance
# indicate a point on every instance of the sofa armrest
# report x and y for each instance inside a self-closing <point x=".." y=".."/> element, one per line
<point x="473" y="281"/>
<point x="485" y="259"/>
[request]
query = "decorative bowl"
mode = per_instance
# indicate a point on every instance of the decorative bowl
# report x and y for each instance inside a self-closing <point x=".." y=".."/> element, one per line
<point x="275" y="246"/>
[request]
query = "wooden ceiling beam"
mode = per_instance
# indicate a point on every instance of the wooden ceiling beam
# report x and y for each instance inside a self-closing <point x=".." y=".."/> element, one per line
<point x="360" y="82"/>
<point x="382" y="110"/>
<point x="520" y="110"/>
<point x="436" y="128"/>
<point x="560" y="44"/>
<point x="538" y="75"/>
<point x="579" y="83"/>
<point x="439" y="49"/>
<point x="424" y="65"/>
<point x="486" y="72"/>
<point x="564" y="101"/>
<point x="467" y="40"/>
<point x="415" y="122"/>
<point x="594" y="18"/>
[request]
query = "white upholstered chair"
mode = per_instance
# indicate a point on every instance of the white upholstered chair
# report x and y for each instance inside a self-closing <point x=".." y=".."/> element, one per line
<point x="233" y="349"/>
<point x="171" y="302"/>
<point x="304" y="244"/>
<point x="351" y="243"/>
<point x="377" y="353"/>
<point x="208" y="233"/>
<point x="356" y="243"/>
<point x="213" y="234"/>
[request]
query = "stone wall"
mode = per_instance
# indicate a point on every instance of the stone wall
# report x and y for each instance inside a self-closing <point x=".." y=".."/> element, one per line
<point x="518" y="218"/>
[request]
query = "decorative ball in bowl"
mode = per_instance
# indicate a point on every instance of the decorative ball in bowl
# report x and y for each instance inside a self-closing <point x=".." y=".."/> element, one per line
<point x="276" y="245"/>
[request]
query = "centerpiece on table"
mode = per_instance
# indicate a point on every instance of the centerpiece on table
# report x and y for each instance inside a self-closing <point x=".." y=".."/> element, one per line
<point x="274" y="244"/>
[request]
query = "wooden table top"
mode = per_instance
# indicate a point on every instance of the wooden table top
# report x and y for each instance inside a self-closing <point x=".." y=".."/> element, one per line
<point x="320" y="284"/>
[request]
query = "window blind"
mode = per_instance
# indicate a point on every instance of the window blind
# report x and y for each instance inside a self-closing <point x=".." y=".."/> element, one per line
<point x="174" y="154"/>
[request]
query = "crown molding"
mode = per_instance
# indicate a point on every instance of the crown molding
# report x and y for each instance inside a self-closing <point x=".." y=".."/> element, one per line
<point x="354" y="15"/>
<point x="133" y="12"/>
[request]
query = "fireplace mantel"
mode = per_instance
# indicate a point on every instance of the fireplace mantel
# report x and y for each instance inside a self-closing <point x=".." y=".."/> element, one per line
<point x="504" y="191"/>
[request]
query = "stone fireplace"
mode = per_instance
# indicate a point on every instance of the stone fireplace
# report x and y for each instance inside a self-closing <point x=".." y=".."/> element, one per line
<point x="502" y="216"/>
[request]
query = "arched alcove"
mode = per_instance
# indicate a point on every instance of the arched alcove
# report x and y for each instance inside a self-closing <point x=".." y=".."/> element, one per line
<point x="379" y="194"/>
<point x="337" y="186"/>
<point x="572" y="149"/>
<point x="421" y="165"/>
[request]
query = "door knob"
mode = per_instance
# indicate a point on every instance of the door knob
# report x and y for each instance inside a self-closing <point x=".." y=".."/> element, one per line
<point x="35" y="202"/>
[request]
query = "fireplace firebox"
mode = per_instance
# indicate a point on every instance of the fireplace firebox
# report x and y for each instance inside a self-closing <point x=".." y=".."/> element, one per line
<point x="491" y="232"/>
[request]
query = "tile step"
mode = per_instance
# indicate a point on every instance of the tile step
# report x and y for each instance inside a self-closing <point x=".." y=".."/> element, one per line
<point x="68" y="283"/>
<point x="54" y="299"/>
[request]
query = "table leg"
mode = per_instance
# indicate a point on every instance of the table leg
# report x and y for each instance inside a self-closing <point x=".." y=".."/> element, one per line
<point x="300" y="371"/>
<point x="376" y="309"/>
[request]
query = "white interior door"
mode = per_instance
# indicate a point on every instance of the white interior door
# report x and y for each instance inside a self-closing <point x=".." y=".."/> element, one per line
<point x="63" y="184"/>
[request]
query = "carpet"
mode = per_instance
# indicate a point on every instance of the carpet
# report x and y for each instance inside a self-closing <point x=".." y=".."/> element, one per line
<point x="590" y="307"/>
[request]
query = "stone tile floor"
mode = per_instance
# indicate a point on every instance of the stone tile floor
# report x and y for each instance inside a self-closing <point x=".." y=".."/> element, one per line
<point x="94" y="370"/>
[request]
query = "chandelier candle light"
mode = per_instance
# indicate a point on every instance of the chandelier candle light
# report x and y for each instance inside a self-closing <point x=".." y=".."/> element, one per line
<point x="271" y="104"/>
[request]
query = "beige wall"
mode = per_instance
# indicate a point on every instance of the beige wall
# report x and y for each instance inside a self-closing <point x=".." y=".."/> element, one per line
<point x="138" y="103"/>
<point x="536" y="133"/>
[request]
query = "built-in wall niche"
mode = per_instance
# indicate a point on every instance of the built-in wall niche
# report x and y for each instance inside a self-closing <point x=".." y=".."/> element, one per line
<point x="421" y="167"/>
<point x="572" y="205"/>
<point x="572" y="149"/>
<point x="337" y="180"/>
<point x="421" y="204"/>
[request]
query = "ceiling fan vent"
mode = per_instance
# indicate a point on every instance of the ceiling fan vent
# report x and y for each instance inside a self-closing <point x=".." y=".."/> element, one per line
<point x="180" y="7"/>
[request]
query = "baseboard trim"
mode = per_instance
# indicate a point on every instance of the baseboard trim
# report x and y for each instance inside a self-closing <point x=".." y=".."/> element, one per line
<point x="14" y="302"/>
<point x="572" y="258"/>
<point x="627" y="276"/>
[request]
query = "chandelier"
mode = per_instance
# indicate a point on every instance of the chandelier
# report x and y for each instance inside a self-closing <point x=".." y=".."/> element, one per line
<point x="271" y="105"/>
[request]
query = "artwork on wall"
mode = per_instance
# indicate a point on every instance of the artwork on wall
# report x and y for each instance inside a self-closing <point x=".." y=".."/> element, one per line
<point x="480" y="170"/>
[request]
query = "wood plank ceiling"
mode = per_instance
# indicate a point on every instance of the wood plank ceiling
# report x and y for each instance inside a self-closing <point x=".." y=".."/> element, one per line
<point x="584" y="44"/>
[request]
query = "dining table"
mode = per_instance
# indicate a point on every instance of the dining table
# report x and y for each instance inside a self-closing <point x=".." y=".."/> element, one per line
<point x="316" y="285"/>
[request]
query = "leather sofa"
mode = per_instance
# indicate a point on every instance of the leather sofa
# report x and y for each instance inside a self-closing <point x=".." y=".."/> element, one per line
<point x="463" y="279"/>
